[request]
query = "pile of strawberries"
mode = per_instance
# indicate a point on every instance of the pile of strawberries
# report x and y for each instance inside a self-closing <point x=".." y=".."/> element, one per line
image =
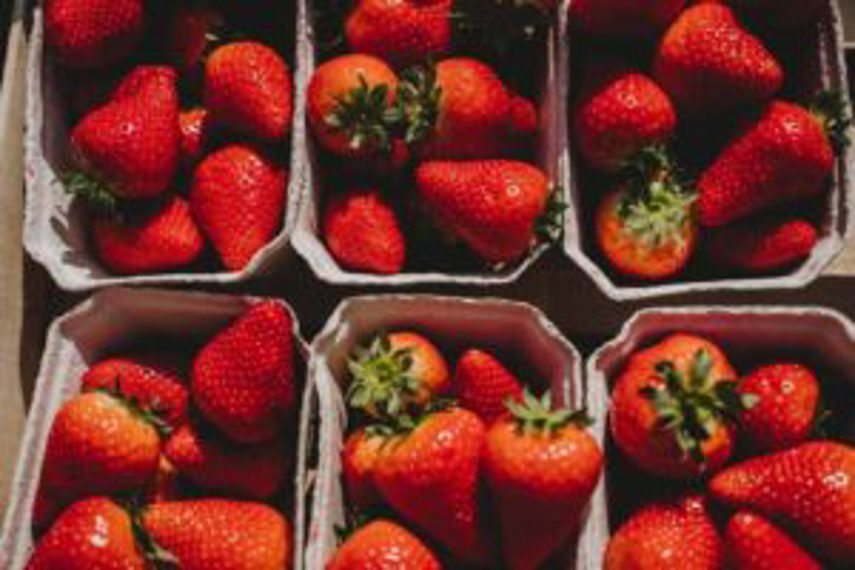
<point x="458" y="468"/>
<point x="701" y="88"/>
<point x="143" y="469"/>
<point x="179" y="140"/>
<point x="680" y="413"/>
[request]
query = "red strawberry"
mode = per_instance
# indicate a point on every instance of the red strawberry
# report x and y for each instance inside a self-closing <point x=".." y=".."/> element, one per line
<point x="383" y="544"/>
<point x="708" y="62"/>
<point x="483" y="385"/>
<point x="217" y="533"/>
<point x="637" y="18"/>
<point x="248" y="89"/>
<point x="780" y="15"/>
<point x="188" y="32"/>
<point x="243" y="379"/>
<point x="753" y="543"/>
<point x="402" y="33"/>
<point x="359" y="458"/>
<point x="677" y="534"/>
<point x="493" y="205"/>
<point x="542" y="467"/>
<point x="362" y="232"/>
<point x="93" y="533"/>
<point x="238" y="196"/>
<point x="196" y="134"/>
<point x="524" y="124"/>
<point x="93" y="33"/>
<point x="810" y="487"/>
<point x="762" y="245"/>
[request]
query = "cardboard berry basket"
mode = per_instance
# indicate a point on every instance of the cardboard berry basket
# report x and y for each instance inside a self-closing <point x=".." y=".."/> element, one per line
<point x="108" y="321"/>
<point x="824" y="69"/>
<point x="55" y="232"/>
<point x="516" y="331"/>
<point x="820" y="338"/>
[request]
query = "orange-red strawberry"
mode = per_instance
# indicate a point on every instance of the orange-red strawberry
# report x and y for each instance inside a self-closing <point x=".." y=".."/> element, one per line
<point x="780" y="15"/>
<point x="362" y="232"/>
<point x="542" y="467"/>
<point x="623" y="19"/>
<point x="673" y="405"/>
<point x="707" y="62"/>
<point x="187" y="33"/>
<point x="482" y="385"/>
<point x="753" y="543"/>
<point x="153" y="241"/>
<point x="811" y="488"/>
<point x="677" y="534"/>
<point x="382" y="544"/>
<point x="362" y="450"/>
<point x="197" y="130"/>
<point x="93" y="533"/>
<point x="93" y="33"/>
<point x="238" y="196"/>
<point x="248" y="89"/>
<point x="213" y="534"/>
<point x="493" y="206"/>
<point x="243" y="379"/>
<point x="758" y="246"/>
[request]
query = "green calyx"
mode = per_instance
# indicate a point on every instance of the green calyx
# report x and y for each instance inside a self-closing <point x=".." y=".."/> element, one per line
<point x="155" y="555"/>
<point x="830" y="108"/>
<point x="149" y="414"/>
<point x="692" y="406"/>
<point x="382" y="384"/>
<point x="418" y="101"/>
<point x="98" y="194"/>
<point x="536" y="415"/>
<point x="405" y="423"/>
<point x="549" y="227"/>
<point x="364" y="116"/>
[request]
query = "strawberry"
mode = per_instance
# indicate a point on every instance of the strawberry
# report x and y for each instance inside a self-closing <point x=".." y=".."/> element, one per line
<point x="197" y="132"/>
<point x="238" y="196"/>
<point x="253" y="472"/>
<point x="524" y="122"/>
<point x="362" y="450"/>
<point x="166" y="484"/>
<point x="402" y="33"/>
<point x="638" y="18"/>
<point x="678" y="533"/>
<point x="93" y="33"/>
<point x="383" y="544"/>
<point x="763" y="245"/>
<point x="810" y="488"/>
<point x="493" y="206"/>
<point x="753" y="543"/>
<point x="348" y="105"/>
<point x="218" y="533"/>
<point x="780" y="15"/>
<point x="93" y="533"/>
<point x="429" y="476"/>
<point x="673" y="405"/>
<point x="362" y="232"/>
<point x="248" y="89"/>
<point x="151" y="241"/>
<point x="187" y="34"/>
<point x="707" y="62"/>
<point x="243" y="379"/>
<point x="482" y="385"/>
<point x="542" y="467"/>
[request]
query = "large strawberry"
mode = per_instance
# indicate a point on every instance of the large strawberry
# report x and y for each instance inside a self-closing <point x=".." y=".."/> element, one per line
<point x="362" y="450"/>
<point x="762" y="245"/>
<point x="753" y="543"/>
<point x="810" y="487"/>
<point x="483" y="385"/>
<point x="238" y="197"/>
<point x="493" y="206"/>
<point x="243" y="379"/>
<point x="623" y="19"/>
<point x="383" y="544"/>
<point x="542" y="467"/>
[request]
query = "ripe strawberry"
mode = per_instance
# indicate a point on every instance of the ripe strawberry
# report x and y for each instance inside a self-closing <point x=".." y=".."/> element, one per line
<point x="673" y="405"/>
<point x="362" y="450"/>
<point x="810" y="487"/>
<point x="243" y="379"/>
<point x="678" y="534"/>
<point x="638" y="18"/>
<point x="483" y="385"/>
<point x="348" y="105"/>
<point x="780" y="15"/>
<point x="753" y="543"/>
<point x="219" y="533"/>
<point x="429" y="476"/>
<point x="197" y="131"/>
<point x="187" y="33"/>
<point x="493" y="206"/>
<point x="248" y="89"/>
<point x="708" y="62"/>
<point x="762" y="245"/>
<point x="383" y="544"/>
<point x="362" y="232"/>
<point x="542" y="467"/>
<point x="402" y="33"/>
<point x="93" y="33"/>
<point x="93" y="533"/>
<point x="524" y="123"/>
<point x="238" y="196"/>
<point x="164" y="239"/>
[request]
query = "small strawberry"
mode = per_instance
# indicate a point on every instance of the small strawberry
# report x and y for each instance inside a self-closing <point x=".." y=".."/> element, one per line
<point x="708" y="62"/>
<point x="187" y="34"/>
<point x="810" y="488"/>
<point x="679" y="534"/>
<point x="762" y="245"/>
<point x="383" y="544"/>
<point x="362" y="232"/>
<point x="780" y="15"/>
<point x="362" y="450"/>
<point x="493" y="206"/>
<point x="238" y="196"/>
<point x="753" y="543"/>
<point x="197" y="132"/>
<point x="483" y="385"/>
<point x="244" y="379"/>
<point x="638" y="18"/>
<point x="542" y="467"/>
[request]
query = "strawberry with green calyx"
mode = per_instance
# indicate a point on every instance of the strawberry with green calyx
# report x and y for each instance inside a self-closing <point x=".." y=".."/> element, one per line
<point x="382" y="543"/>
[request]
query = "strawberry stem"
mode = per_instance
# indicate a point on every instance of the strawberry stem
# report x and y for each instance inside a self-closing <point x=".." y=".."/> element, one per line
<point x="364" y="116"/>
<point x="381" y="378"/>
<point x="99" y="195"/>
<point x="830" y="108"/>
<point x="550" y="225"/>
<point x="418" y="101"/>
<point x="157" y="556"/>
<point x="536" y="415"/>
